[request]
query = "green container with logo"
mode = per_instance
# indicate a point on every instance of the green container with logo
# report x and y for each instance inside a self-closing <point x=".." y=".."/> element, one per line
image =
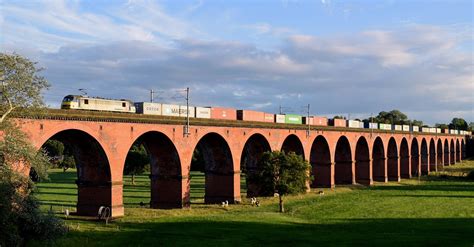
<point x="293" y="119"/>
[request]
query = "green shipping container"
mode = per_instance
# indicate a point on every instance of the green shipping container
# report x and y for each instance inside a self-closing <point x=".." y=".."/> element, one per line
<point x="293" y="119"/>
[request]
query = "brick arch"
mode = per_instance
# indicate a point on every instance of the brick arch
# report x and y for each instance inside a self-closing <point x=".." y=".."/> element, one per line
<point x="165" y="168"/>
<point x="320" y="159"/>
<point x="94" y="181"/>
<point x="343" y="167"/>
<point x="439" y="155"/>
<point x="458" y="151"/>
<point x="446" y="152"/>
<point x="362" y="162"/>
<point x="379" y="171"/>
<point x="405" y="170"/>
<point x="253" y="150"/>
<point x="415" y="157"/>
<point x="293" y="144"/>
<point x="218" y="168"/>
<point x="452" y="152"/>
<point x="393" y="166"/>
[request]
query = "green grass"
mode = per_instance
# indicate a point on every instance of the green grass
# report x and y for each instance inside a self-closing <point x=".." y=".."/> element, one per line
<point x="437" y="210"/>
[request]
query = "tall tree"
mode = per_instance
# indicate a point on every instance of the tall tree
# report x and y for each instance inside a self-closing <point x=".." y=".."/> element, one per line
<point x="458" y="123"/>
<point x="20" y="216"/>
<point x="281" y="173"/>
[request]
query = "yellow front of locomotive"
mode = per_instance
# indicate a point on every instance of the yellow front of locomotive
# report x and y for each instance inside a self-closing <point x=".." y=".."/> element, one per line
<point x="70" y="102"/>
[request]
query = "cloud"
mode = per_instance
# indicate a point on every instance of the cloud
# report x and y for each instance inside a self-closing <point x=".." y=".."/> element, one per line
<point x="422" y="70"/>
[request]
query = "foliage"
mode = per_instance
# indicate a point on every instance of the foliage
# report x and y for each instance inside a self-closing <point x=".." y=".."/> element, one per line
<point x="20" y="85"/>
<point x="198" y="163"/>
<point x="471" y="126"/>
<point x="458" y="124"/>
<point x="470" y="175"/>
<point x="21" y="218"/>
<point x="442" y="126"/>
<point x="281" y="173"/>
<point x="393" y="117"/>
<point x="137" y="161"/>
<point x="339" y="117"/>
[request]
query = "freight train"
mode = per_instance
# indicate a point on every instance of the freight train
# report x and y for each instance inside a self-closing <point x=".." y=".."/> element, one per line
<point x="100" y="104"/>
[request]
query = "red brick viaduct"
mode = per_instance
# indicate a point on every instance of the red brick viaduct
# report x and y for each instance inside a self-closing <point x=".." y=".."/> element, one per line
<point x="337" y="155"/>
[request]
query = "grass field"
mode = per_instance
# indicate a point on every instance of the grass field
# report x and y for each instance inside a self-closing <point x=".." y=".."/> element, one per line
<point x="437" y="210"/>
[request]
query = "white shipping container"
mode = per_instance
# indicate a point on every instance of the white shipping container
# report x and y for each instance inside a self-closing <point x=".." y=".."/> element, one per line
<point x="438" y="130"/>
<point x="432" y="130"/>
<point x="183" y="110"/>
<point x="397" y="127"/>
<point x="451" y="132"/>
<point x="385" y="126"/>
<point x="203" y="112"/>
<point x="170" y="110"/>
<point x="406" y="127"/>
<point x="148" y="108"/>
<point x="425" y="129"/>
<point x="361" y="124"/>
<point x="353" y="124"/>
<point x="279" y="118"/>
<point x="415" y="129"/>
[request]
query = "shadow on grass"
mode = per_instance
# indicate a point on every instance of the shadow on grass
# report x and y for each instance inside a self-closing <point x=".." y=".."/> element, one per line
<point x="358" y="232"/>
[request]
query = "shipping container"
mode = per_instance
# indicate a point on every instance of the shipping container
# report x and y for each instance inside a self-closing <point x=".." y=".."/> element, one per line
<point x="406" y="128"/>
<point x="203" y="112"/>
<point x="425" y="129"/>
<point x="293" y="119"/>
<point x="247" y="115"/>
<point x="432" y="130"/>
<point x="338" y="122"/>
<point x="445" y="131"/>
<point x="353" y="124"/>
<point x="415" y="128"/>
<point x="183" y="111"/>
<point x="385" y="126"/>
<point x="397" y="127"/>
<point x="269" y="118"/>
<point x="223" y="113"/>
<point x="170" y="110"/>
<point x="148" y="108"/>
<point x="308" y="121"/>
<point x="279" y="118"/>
<point x="451" y="131"/>
<point x="320" y="121"/>
<point x="438" y="130"/>
<point x="361" y="124"/>
<point x="368" y="125"/>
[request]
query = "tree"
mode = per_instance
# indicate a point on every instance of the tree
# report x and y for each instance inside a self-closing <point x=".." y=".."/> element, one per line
<point x="20" y="216"/>
<point x="339" y="117"/>
<point x="392" y="117"/>
<point x="441" y="126"/>
<point x="20" y="85"/>
<point x="471" y="126"/>
<point x="417" y="123"/>
<point x="137" y="161"/>
<point x="281" y="173"/>
<point x="458" y="124"/>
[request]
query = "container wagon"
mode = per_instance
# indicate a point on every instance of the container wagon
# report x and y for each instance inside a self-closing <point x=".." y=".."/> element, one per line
<point x="293" y="119"/>
<point x="223" y="113"/>
<point x="337" y="122"/>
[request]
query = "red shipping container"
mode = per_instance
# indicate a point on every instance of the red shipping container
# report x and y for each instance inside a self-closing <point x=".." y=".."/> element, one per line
<point x="223" y="113"/>
<point x="269" y="118"/>
<point x="338" y="122"/>
<point x="247" y="115"/>
<point x="320" y="121"/>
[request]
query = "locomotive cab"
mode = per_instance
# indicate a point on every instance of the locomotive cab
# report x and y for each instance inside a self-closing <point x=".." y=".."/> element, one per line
<point x="70" y="102"/>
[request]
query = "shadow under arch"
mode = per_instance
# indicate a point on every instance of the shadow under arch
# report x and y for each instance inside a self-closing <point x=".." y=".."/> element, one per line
<point x="378" y="161"/>
<point x="320" y="159"/>
<point x="432" y="156"/>
<point x="253" y="150"/>
<point x="293" y="144"/>
<point x="446" y="153"/>
<point x="393" y="167"/>
<point x="343" y="162"/>
<point x="94" y="185"/>
<point x="458" y="151"/>
<point x="362" y="162"/>
<point x="463" y="149"/>
<point x="166" y="183"/>
<point x="425" y="168"/>
<point x="439" y="155"/>
<point x="405" y="171"/>
<point x="218" y="169"/>
<point x="452" y="151"/>
<point x="415" y="158"/>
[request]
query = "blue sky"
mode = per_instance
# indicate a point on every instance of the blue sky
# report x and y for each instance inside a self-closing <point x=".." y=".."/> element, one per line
<point x="342" y="57"/>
